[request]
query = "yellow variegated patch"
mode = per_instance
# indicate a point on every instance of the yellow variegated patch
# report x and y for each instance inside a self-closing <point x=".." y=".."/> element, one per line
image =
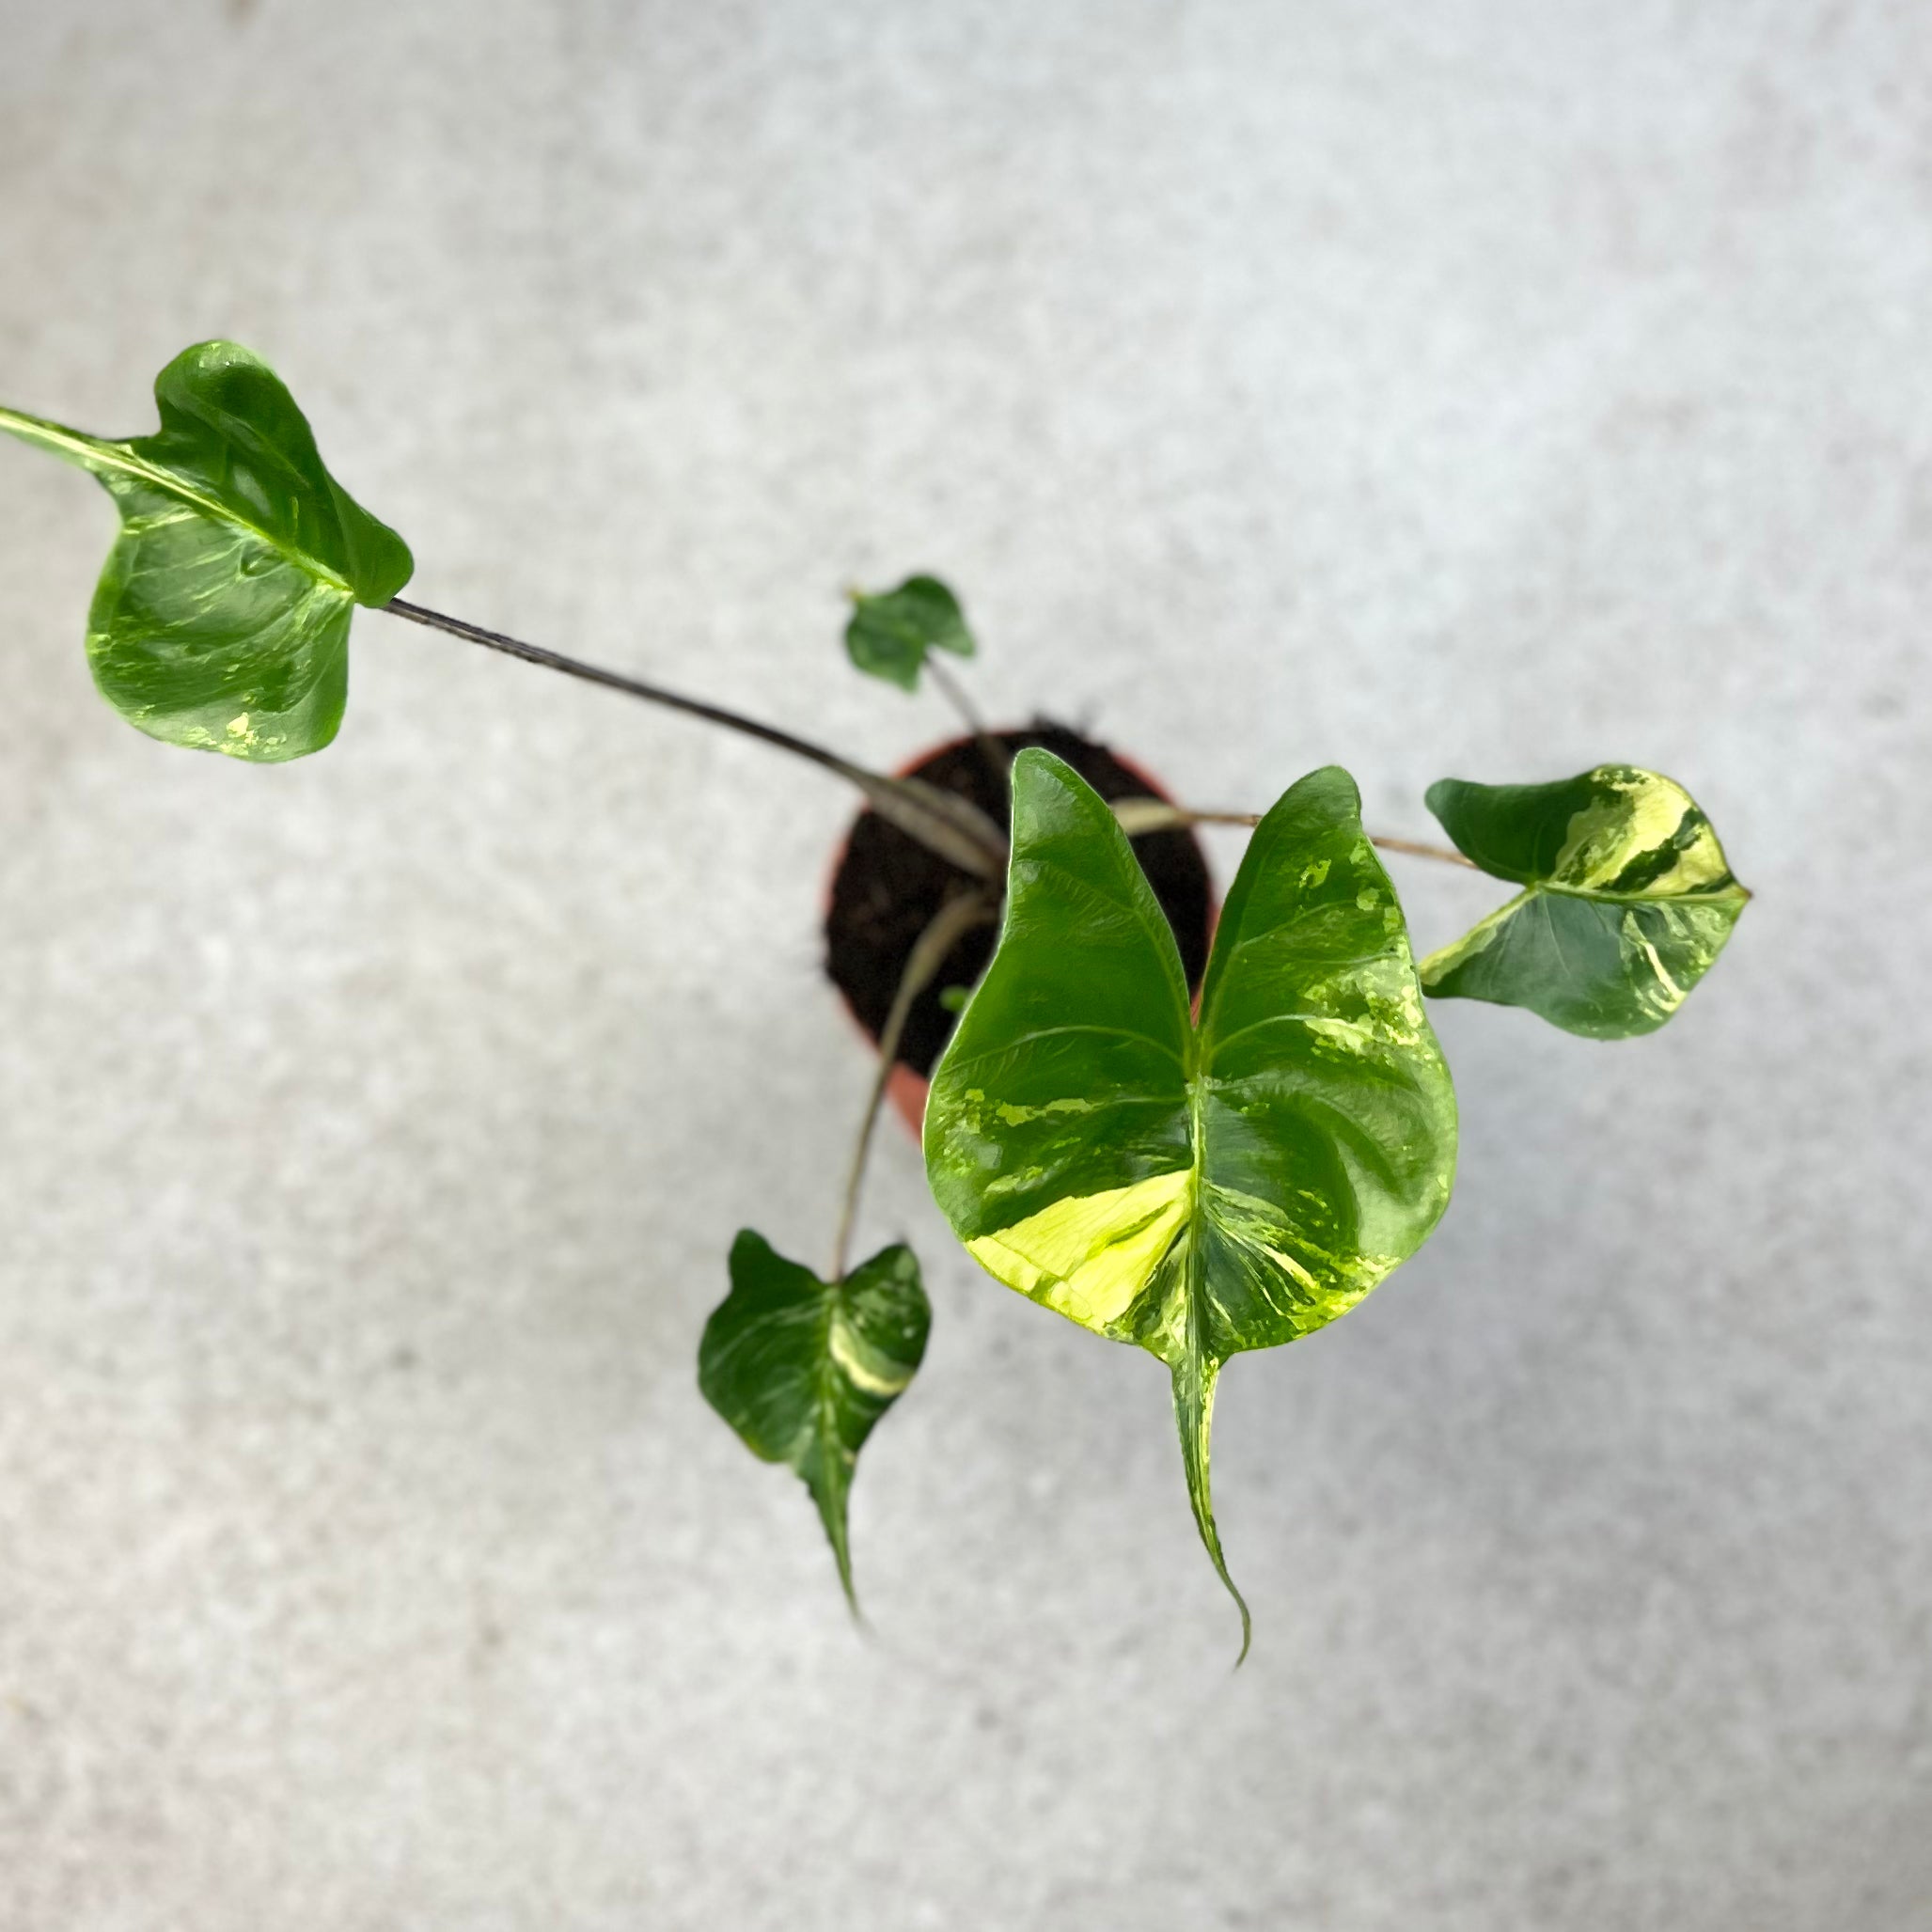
<point x="1089" y="1257"/>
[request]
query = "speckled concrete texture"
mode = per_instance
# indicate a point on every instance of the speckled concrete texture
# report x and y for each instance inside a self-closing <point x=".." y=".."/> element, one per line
<point x="1487" y="387"/>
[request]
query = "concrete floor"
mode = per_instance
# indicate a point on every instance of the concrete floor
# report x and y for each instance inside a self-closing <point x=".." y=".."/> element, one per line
<point x="1491" y="388"/>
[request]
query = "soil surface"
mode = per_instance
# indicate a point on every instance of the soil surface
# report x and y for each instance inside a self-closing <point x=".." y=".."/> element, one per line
<point x="888" y="885"/>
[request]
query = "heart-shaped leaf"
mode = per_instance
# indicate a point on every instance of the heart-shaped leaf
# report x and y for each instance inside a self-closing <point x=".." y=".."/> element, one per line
<point x="1196" y="1188"/>
<point x="1627" y="899"/>
<point x="892" y="631"/>
<point x="221" y="620"/>
<point x="803" y="1368"/>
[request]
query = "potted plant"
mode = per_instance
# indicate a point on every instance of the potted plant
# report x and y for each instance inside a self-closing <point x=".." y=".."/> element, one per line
<point x="1198" y="1136"/>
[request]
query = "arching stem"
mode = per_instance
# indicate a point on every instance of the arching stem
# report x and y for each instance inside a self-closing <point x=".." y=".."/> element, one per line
<point x="945" y="930"/>
<point x="949" y="825"/>
<point x="1414" y="848"/>
<point x="997" y="755"/>
<point x="1140" y="815"/>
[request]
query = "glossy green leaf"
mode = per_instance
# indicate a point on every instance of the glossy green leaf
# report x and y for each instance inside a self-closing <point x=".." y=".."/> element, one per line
<point x="1627" y="899"/>
<point x="221" y="620"/>
<point x="803" y="1368"/>
<point x="1196" y="1188"/>
<point x="890" y="633"/>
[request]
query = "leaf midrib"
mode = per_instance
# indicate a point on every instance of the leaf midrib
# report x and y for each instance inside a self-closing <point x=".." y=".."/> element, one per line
<point x="1709" y="896"/>
<point x="96" y="454"/>
<point x="1536" y="889"/>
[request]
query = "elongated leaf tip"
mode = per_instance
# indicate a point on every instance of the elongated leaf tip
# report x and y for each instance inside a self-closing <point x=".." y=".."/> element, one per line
<point x="832" y="1514"/>
<point x="1194" y="1402"/>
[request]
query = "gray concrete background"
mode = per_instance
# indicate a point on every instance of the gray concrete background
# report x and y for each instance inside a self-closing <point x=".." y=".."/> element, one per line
<point x="1491" y="388"/>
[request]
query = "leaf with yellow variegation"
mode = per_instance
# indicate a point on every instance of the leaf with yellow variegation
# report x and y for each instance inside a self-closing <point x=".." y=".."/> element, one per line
<point x="221" y="620"/>
<point x="802" y="1368"/>
<point x="1627" y="899"/>
<point x="1198" y="1189"/>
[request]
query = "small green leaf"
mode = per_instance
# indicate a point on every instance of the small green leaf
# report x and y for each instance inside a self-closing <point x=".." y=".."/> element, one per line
<point x="1195" y="1188"/>
<point x="1627" y="899"/>
<point x="890" y="633"/>
<point x="803" y="1368"/>
<point x="953" y="999"/>
<point x="221" y="620"/>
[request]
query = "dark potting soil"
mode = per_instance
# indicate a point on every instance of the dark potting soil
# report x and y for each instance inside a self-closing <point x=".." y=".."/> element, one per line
<point x="889" y="887"/>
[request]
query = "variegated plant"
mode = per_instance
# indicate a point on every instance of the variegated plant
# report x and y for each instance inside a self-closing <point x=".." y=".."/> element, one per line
<point x="1198" y="1186"/>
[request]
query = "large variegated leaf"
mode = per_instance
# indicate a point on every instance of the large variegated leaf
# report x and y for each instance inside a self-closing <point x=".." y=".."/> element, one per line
<point x="803" y="1368"/>
<point x="892" y="631"/>
<point x="1626" y="901"/>
<point x="1198" y="1189"/>
<point x="221" y="620"/>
